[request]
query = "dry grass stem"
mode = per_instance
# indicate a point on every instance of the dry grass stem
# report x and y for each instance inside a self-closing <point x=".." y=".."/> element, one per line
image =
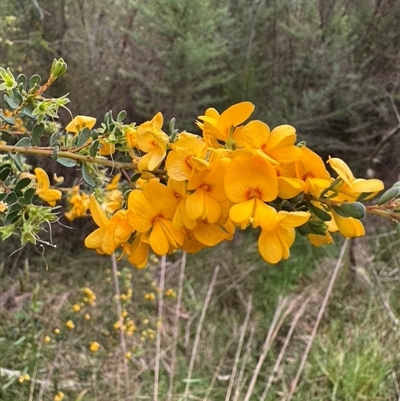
<point x="198" y="331"/>
<point x="293" y="385"/>
<point x="268" y="341"/>
<point x="121" y="324"/>
<point x="159" y="322"/>
<point x="239" y="348"/>
<point x="175" y="333"/>
<point x="278" y="361"/>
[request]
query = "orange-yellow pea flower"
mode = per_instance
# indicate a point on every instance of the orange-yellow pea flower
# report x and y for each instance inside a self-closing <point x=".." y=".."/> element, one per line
<point x="311" y="169"/>
<point x="80" y="122"/>
<point x="205" y="202"/>
<point x="43" y="189"/>
<point x="277" y="146"/>
<point x="352" y="186"/>
<point x="154" y="209"/>
<point x="152" y="140"/>
<point x="111" y="233"/>
<point x="217" y="126"/>
<point x="249" y="182"/>
<point x="188" y="154"/>
<point x="278" y="234"/>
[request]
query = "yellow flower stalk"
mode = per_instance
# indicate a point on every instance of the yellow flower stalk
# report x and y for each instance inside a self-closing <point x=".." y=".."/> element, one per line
<point x="79" y="123"/>
<point x="43" y="189"/>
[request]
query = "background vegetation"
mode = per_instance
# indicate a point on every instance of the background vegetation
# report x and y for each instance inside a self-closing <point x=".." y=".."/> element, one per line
<point x="329" y="67"/>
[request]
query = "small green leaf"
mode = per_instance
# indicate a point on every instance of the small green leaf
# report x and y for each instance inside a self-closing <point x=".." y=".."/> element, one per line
<point x="5" y="172"/>
<point x="135" y="177"/>
<point x="6" y="232"/>
<point x="87" y="176"/>
<point x="94" y="148"/>
<point x="390" y="194"/>
<point x="320" y="213"/>
<point x="353" y="209"/>
<point x="11" y="217"/>
<point x="25" y="141"/>
<point x="37" y="133"/>
<point x="21" y="80"/>
<point x="53" y="139"/>
<point x="27" y="110"/>
<point x="11" y="197"/>
<point x="18" y="162"/>
<point x="121" y="116"/>
<point x="66" y="162"/>
<point x="55" y="152"/>
<point x="303" y="230"/>
<point x="28" y="195"/>
<point x="34" y="82"/>
<point x="22" y="184"/>
<point x="84" y="136"/>
<point x="11" y="103"/>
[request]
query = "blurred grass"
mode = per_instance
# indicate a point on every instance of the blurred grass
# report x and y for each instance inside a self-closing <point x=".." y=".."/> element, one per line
<point x="354" y="357"/>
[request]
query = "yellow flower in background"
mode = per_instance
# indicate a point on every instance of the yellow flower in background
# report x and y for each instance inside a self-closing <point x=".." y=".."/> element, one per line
<point x="80" y="203"/>
<point x="3" y="206"/>
<point x="152" y="212"/>
<point x="43" y="189"/>
<point x="152" y="140"/>
<point x="114" y="182"/>
<point x="130" y="135"/>
<point x="70" y="325"/>
<point x="249" y="182"/>
<point x="278" y="234"/>
<point x="106" y="148"/>
<point x="79" y="123"/>
<point x="277" y="146"/>
<point x="220" y="127"/>
<point x="94" y="346"/>
<point x="113" y="201"/>
<point x="59" y="396"/>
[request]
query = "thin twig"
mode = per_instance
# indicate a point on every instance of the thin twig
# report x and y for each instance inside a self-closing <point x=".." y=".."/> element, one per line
<point x="175" y="333"/>
<point x="239" y="349"/>
<point x="121" y="324"/>
<point x="159" y="323"/>
<point x="336" y="270"/>
<point x="198" y="331"/>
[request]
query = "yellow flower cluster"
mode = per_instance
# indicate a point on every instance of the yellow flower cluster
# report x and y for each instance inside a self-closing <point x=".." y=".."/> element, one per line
<point x="89" y="297"/>
<point x="232" y="177"/>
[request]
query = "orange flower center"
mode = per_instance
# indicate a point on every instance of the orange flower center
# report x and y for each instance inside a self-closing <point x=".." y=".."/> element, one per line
<point x="253" y="193"/>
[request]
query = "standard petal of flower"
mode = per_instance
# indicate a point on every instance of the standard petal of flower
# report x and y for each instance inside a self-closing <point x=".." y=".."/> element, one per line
<point x="43" y="182"/>
<point x="98" y="214"/>
<point x="342" y="169"/>
<point x="235" y="115"/>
